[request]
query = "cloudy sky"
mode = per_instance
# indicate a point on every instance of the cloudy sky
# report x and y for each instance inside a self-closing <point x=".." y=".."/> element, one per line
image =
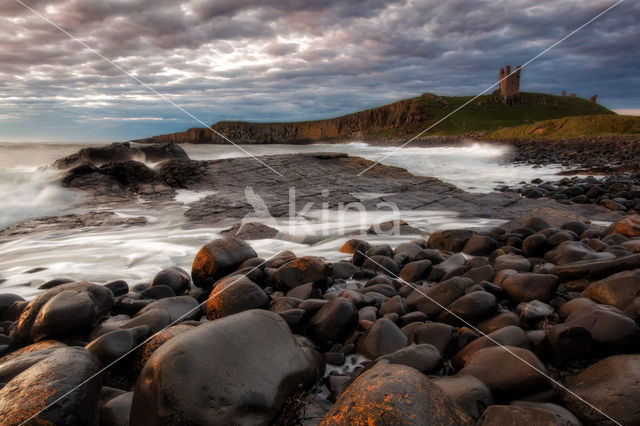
<point x="285" y="60"/>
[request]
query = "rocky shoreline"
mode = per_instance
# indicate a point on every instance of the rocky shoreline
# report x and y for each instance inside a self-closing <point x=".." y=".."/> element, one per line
<point x="407" y="334"/>
<point x="404" y="334"/>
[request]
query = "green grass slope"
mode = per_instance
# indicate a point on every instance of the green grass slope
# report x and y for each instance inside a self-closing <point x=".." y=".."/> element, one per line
<point x="571" y="127"/>
<point x="487" y="114"/>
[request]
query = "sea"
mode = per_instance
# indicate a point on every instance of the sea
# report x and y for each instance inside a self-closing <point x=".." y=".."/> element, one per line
<point x="30" y="189"/>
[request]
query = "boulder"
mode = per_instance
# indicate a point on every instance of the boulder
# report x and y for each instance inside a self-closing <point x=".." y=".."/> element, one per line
<point x="163" y="312"/>
<point x="469" y="309"/>
<point x="99" y="297"/>
<point x="247" y="366"/>
<point x="452" y="267"/>
<point x="596" y="269"/>
<point x="425" y="358"/>
<point x="115" y="412"/>
<point x="394" y="394"/>
<point x="333" y="322"/>
<point x="617" y="290"/>
<point x="382" y="338"/>
<point x="431" y="300"/>
<point x="68" y="313"/>
<point x="444" y="337"/>
<point x="252" y="231"/>
<point x="512" y="261"/>
<point x="526" y="287"/>
<point x="469" y="393"/>
<point x="506" y="336"/>
<point x="511" y="373"/>
<point x="383" y="264"/>
<point x="498" y="321"/>
<point x="144" y="352"/>
<point x="574" y="251"/>
<point x="111" y="346"/>
<point x="450" y="240"/>
<point x="233" y="294"/>
<point x="480" y="245"/>
<point x="11" y="366"/>
<point x="34" y="389"/>
<point x="177" y="279"/>
<point x="611" y="329"/>
<point x="612" y="385"/>
<point x="219" y="258"/>
<point x="299" y="271"/>
<point x="628" y="226"/>
<point x="528" y="413"/>
<point x="415" y="271"/>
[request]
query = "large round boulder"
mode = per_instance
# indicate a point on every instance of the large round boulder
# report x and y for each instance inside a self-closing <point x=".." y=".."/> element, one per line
<point x="382" y="338"/>
<point x="60" y="316"/>
<point x="526" y="287"/>
<point x="219" y="258"/>
<point x="238" y="369"/>
<point x="66" y="373"/>
<point x="612" y="385"/>
<point x="389" y="394"/>
<point x="177" y="279"/>
<point x="509" y="372"/>
<point x="161" y="313"/>
<point x="333" y="322"/>
<point x="528" y="413"/>
<point x="301" y="270"/>
<point x="234" y="294"/>
<point x="469" y="393"/>
<point x="616" y="290"/>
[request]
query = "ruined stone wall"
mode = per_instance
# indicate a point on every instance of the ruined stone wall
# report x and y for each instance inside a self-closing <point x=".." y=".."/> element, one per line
<point x="509" y="84"/>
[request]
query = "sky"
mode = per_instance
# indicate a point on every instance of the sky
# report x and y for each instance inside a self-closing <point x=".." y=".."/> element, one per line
<point x="288" y="60"/>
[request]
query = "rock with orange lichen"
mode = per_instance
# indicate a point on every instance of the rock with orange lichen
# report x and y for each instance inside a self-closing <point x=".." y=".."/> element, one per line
<point x="43" y="383"/>
<point x="350" y="246"/>
<point x="55" y="314"/>
<point x="238" y="369"/>
<point x="234" y="294"/>
<point x="299" y="271"/>
<point x="219" y="258"/>
<point x="628" y="226"/>
<point x="389" y="394"/>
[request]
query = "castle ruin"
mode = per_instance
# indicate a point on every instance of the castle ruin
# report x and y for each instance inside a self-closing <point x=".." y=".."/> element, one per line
<point x="509" y="85"/>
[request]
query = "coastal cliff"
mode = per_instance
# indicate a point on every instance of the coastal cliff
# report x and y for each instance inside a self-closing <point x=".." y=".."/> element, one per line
<point x="363" y="124"/>
<point x="396" y="120"/>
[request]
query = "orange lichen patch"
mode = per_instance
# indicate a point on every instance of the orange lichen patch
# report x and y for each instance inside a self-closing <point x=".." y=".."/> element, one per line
<point x="299" y="271"/>
<point x="628" y="226"/>
<point x="301" y="263"/>
<point x="394" y="394"/>
<point x="349" y="247"/>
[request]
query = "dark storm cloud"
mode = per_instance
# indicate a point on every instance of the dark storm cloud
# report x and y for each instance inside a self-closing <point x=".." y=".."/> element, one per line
<point x="290" y="60"/>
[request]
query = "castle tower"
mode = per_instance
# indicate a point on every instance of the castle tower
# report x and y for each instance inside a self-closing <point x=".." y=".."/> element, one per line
<point x="510" y="85"/>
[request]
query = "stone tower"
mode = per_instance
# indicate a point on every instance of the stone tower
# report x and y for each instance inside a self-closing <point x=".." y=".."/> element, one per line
<point x="510" y="85"/>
